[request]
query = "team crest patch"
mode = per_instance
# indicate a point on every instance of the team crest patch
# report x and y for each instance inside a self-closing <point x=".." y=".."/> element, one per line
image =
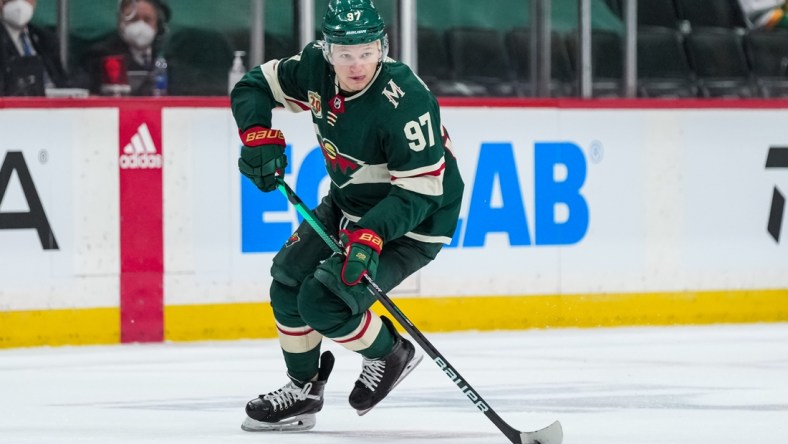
<point x="339" y="163"/>
<point x="294" y="238"/>
<point x="316" y="104"/>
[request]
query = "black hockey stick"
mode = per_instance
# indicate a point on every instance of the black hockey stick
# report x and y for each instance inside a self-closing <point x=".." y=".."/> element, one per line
<point x="552" y="434"/>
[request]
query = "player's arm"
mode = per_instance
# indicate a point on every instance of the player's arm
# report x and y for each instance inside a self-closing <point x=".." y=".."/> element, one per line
<point x="276" y="83"/>
<point x="272" y="84"/>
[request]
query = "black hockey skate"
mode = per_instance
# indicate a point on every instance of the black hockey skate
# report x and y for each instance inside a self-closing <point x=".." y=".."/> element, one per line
<point x="380" y="376"/>
<point x="292" y="408"/>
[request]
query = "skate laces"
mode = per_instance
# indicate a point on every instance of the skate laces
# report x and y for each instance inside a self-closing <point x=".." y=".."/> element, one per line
<point x="372" y="372"/>
<point x="288" y="395"/>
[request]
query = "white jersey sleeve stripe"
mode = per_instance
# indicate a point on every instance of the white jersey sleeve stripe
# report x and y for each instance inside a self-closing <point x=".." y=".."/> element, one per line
<point x="429" y="169"/>
<point x="429" y="239"/>
<point x="270" y="70"/>
<point x="416" y="236"/>
<point x="425" y="180"/>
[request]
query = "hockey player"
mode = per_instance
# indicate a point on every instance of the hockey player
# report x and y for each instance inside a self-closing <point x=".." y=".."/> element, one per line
<point x="394" y="201"/>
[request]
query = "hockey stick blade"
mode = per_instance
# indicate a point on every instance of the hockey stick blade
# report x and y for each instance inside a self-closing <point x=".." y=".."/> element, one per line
<point x="552" y="434"/>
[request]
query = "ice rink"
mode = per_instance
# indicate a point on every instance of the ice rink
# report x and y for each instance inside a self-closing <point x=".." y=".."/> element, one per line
<point x="676" y="385"/>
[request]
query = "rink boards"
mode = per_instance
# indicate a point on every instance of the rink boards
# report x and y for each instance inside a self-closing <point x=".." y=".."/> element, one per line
<point x="128" y="221"/>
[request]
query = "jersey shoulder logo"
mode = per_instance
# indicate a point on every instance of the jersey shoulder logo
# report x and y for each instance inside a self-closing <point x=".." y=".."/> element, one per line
<point x="394" y="93"/>
<point x="316" y="104"/>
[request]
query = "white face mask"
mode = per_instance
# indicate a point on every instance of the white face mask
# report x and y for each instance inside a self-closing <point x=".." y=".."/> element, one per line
<point x="139" y="34"/>
<point x="17" y="13"/>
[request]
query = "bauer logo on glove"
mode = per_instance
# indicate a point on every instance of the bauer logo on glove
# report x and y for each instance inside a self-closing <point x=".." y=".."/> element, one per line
<point x="263" y="156"/>
<point x="369" y="236"/>
<point x="260" y="136"/>
<point x="362" y="248"/>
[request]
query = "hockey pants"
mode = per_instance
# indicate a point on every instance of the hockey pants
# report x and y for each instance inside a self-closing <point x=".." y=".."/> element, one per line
<point x="305" y="310"/>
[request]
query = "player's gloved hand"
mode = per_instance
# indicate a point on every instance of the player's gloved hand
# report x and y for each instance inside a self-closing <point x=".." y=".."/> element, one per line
<point x="263" y="156"/>
<point x="362" y="253"/>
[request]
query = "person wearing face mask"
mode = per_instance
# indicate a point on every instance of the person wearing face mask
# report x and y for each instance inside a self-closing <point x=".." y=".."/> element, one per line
<point x="29" y="55"/>
<point x="141" y="24"/>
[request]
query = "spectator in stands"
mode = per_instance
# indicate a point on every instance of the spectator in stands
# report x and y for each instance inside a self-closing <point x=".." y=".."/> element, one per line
<point x="141" y="25"/>
<point x="765" y="14"/>
<point x="29" y="55"/>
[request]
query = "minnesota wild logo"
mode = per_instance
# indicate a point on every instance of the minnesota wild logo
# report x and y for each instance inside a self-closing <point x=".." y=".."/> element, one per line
<point x="341" y="167"/>
<point x="292" y="239"/>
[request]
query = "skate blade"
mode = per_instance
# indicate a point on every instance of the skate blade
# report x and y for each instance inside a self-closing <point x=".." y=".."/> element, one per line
<point x="417" y="357"/>
<point x="299" y="423"/>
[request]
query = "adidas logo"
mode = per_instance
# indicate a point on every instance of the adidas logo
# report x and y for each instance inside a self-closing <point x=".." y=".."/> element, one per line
<point x="140" y="153"/>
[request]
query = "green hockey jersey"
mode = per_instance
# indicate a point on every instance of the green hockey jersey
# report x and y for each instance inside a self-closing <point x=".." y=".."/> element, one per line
<point x="386" y="151"/>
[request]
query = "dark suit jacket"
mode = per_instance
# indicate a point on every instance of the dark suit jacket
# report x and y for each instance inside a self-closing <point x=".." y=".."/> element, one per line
<point x="46" y="45"/>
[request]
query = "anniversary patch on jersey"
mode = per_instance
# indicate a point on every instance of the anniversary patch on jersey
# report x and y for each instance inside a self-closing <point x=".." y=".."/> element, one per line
<point x="316" y="104"/>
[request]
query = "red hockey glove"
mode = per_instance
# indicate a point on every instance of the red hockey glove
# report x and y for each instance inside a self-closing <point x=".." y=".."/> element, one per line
<point x="263" y="156"/>
<point x="362" y="249"/>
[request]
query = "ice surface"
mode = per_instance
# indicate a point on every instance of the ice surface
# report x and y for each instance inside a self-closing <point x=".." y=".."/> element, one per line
<point x="682" y="385"/>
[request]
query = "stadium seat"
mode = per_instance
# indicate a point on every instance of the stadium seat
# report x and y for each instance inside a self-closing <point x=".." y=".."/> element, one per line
<point x="718" y="59"/>
<point x="767" y="51"/>
<point x="198" y="60"/>
<point x="650" y="12"/>
<point x="480" y="62"/>
<point x="615" y="7"/>
<point x="711" y="13"/>
<point x="657" y="13"/>
<point x="607" y="63"/>
<point x="279" y="47"/>
<point x="663" y="68"/>
<point x="434" y="66"/>
<point x="518" y="44"/>
<point x="276" y="46"/>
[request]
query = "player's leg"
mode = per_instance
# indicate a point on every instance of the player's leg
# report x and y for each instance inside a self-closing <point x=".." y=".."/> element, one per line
<point x="293" y="406"/>
<point x="380" y="373"/>
<point x="388" y="357"/>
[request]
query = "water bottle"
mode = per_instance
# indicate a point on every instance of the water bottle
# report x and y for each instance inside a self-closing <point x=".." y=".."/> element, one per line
<point x="160" y="79"/>
<point x="236" y="71"/>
